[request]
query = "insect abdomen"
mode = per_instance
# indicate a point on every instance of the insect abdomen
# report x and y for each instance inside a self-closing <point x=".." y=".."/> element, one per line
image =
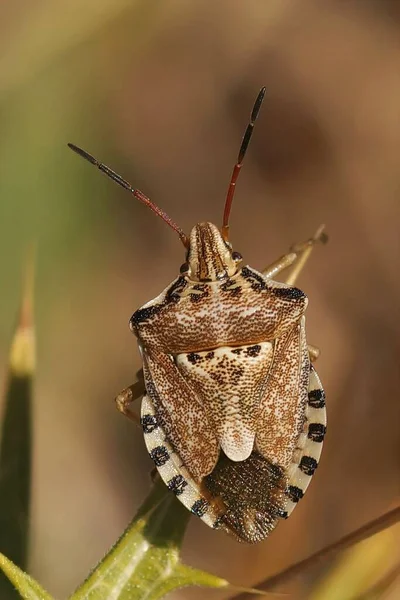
<point x="253" y="492"/>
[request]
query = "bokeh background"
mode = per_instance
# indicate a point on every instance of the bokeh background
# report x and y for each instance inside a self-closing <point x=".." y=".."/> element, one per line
<point x="162" y="92"/>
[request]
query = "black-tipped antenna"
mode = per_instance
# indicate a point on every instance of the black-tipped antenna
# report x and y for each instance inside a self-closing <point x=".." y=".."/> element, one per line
<point x="137" y="193"/>
<point x="236" y="170"/>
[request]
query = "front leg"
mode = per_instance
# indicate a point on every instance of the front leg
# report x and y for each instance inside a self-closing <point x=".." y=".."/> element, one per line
<point x="314" y="352"/>
<point x="296" y="257"/>
<point x="125" y="398"/>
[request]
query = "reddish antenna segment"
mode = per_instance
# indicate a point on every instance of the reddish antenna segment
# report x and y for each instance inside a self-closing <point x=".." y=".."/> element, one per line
<point x="137" y="193"/>
<point x="236" y="170"/>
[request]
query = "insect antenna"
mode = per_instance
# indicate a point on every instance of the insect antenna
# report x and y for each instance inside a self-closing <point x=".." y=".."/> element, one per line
<point x="137" y="193"/>
<point x="236" y="170"/>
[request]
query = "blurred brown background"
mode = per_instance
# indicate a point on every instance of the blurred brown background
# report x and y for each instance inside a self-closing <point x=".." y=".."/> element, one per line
<point x="162" y="92"/>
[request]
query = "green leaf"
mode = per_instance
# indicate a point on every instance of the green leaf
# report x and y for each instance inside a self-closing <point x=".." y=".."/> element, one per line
<point x="28" y="588"/>
<point x="15" y="447"/>
<point x="144" y="563"/>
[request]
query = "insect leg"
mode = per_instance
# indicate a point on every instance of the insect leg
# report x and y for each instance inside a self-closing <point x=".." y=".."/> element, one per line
<point x="314" y="352"/>
<point x="127" y="396"/>
<point x="297" y="257"/>
<point x="279" y="265"/>
<point x="303" y="251"/>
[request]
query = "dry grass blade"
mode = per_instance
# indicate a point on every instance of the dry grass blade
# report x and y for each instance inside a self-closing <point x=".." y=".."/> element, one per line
<point x="359" y="568"/>
<point x="364" y="532"/>
<point x="383" y="585"/>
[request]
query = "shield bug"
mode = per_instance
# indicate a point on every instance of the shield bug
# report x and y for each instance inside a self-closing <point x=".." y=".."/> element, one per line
<point x="233" y="411"/>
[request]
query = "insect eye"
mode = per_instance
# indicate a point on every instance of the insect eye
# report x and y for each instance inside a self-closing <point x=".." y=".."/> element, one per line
<point x="236" y="256"/>
<point x="184" y="268"/>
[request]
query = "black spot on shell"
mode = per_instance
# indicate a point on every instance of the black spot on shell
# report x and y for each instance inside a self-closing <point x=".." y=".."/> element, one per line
<point x="160" y="455"/>
<point x="173" y="293"/>
<point x="172" y="296"/>
<point x="144" y="314"/>
<point x="295" y="493"/>
<point x="177" y="484"/>
<point x="307" y="465"/>
<point x="193" y="358"/>
<point x="149" y="423"/>
<point x="200" y="507"/>
<point x="316" y="432"/>
<point x="253" y="351"/>
<point x="257" y="283"/>
<point x="316" y="398"/>
<point x="291" y="293"/>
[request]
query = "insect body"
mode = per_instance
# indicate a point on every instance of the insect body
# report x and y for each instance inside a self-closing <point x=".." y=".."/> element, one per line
<point x="233" y="412"/>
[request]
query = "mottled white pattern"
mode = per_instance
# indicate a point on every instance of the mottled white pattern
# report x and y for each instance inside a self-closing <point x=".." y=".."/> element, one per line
<point x="230" y="383"/>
